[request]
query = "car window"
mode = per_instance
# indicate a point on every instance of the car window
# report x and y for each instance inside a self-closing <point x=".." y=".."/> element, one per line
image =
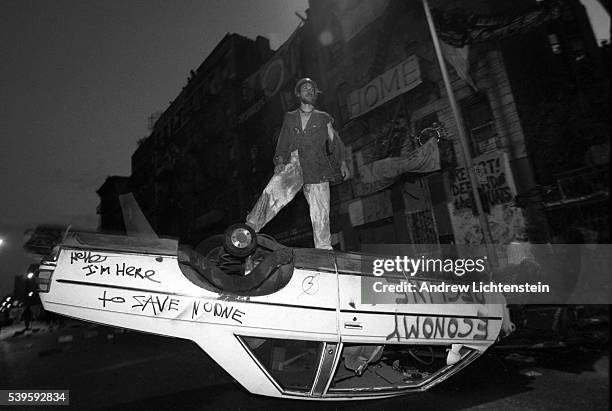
<point x="292" y="364"/>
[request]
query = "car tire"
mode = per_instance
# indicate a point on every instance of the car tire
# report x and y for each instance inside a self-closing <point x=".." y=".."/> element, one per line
<point x="240" y="240"/>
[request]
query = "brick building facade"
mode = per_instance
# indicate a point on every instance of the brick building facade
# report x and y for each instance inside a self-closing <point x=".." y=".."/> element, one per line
<point x="185" y="175"/>
<point x="210" y="152"/>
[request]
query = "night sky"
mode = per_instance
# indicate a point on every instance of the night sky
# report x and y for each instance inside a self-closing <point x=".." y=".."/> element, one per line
<point x="78" y="81"/>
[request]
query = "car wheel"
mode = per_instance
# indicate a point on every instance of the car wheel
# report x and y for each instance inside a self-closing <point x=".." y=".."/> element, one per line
<point x="240" y="240"/>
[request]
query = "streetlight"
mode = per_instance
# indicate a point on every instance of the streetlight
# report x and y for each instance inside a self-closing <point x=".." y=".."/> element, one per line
<point x="30" y="275"/>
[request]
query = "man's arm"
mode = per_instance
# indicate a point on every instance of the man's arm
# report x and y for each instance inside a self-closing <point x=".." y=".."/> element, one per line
<point x="338" y="150"/>
<point x="341" y="150"/>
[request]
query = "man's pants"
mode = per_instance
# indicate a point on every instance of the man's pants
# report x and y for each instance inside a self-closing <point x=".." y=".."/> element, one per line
<point x="280" y="191"/>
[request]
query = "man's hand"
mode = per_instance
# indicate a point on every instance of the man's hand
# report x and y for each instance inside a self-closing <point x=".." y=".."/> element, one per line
<point x="278" y="168"/>
<point x="346" y="174"/>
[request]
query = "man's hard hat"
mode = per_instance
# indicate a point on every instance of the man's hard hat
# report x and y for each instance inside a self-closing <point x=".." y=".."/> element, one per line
<point x="304" y="80"/>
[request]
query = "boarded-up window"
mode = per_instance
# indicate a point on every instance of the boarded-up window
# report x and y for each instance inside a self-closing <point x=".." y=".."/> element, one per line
<point x="479" y="124"/>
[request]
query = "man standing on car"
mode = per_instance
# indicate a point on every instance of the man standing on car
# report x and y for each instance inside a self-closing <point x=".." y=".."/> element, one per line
<point x="307" y="150"/>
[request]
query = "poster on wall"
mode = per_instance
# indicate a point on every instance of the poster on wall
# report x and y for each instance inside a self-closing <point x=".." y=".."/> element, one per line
<point x="498" y="189"/>
<point x="422" y="227"/>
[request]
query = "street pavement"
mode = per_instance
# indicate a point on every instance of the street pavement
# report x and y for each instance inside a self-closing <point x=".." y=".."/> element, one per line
<point x="107" y="368"/>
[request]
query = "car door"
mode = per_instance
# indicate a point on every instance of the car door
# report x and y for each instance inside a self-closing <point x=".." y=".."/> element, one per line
<point x="293" y="335"/>
<point x="402" y="341"/>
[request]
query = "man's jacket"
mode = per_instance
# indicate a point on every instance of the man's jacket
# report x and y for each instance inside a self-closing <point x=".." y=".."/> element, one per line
<point x="320" y="159"/>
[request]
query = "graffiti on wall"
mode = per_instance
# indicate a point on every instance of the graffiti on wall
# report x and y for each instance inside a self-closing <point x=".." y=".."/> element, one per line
<point x="497" y="190"/>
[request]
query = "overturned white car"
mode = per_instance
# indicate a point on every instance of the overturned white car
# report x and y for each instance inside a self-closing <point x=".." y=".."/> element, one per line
<point x="294" y="327"/>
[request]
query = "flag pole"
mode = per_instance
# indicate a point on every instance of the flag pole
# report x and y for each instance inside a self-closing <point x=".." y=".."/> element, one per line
<point x="467" y="158"/>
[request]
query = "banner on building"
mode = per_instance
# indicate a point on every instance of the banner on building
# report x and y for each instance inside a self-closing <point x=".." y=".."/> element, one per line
<point x="497" y="191"/>
<point x="459" y="29"/>
<point x="283" y="66"/>
<point x="380" y="174"/>
<point x="397" y="80"/>
<point x="458" y="57"/>
<point x="424" y="159"/>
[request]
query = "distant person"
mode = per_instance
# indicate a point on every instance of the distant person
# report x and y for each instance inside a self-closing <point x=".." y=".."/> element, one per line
<point x="308" y="154"/>
<point x="26" y="317"/>
<point x="7" y="317"/>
